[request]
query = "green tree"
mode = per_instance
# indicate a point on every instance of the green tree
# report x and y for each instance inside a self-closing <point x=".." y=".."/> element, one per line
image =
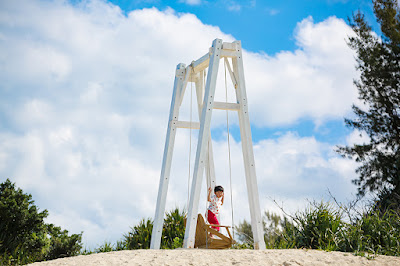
<point x="275" y="228"/>
<point x="140" y="235"/>
<point x="24" y="237"/>
<point x="61" y="244"/>
<point x="21" y="223"/>
<point x="378" y="61"/>
<point x="172" y="236"/>
<point x="174" y="229"/>
<point x="245" y="233"/>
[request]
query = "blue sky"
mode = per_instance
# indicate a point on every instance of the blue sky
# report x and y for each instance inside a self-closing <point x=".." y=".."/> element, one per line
<point x="86" y="90"/>
<point x="262" y="25"/>
<point x="267" y="27"/>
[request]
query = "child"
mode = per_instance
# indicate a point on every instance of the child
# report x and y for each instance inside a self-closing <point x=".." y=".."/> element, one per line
<point x="216" y="202"/>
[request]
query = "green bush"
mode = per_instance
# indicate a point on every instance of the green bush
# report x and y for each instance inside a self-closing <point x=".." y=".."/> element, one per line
<point x="172" y="234"/>
<point x="106" y="247"/>
<point x="61" y="244"/>
<point x="22" y="230"/>
<point x="140" y="236"/>
<point x="374" y="233"/>
<point x="320" y="226"/>
<point x="24" y="237"/>
<point x="245" y="235"/>
<point x="277" y="230"/>
<point x="173" y="230"/>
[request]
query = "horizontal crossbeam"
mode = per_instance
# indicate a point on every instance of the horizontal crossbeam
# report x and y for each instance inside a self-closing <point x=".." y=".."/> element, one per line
<point x="187" y="124"/>
<point x="226" y="106"/>
<point x="201" y="63"/>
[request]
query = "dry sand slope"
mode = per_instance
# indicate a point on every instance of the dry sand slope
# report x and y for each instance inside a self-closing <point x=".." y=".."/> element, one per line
<point x="284" y="257"/>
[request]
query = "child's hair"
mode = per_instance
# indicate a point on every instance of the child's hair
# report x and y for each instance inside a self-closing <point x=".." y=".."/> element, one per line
<point x="218" y="188"/>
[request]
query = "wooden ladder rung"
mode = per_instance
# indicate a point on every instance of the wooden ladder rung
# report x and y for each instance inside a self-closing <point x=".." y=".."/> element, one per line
<point x="226" y="106"/>
<point x="187" y="124"/>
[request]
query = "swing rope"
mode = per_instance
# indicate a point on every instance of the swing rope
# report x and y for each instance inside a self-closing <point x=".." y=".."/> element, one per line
<point x="229" y="151"/>
<point x="208" y="153"/>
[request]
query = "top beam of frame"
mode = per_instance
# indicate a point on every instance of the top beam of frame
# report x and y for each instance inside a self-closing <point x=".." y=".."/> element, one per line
<point x="228" y="50"/>
<point x="201" y="63"/>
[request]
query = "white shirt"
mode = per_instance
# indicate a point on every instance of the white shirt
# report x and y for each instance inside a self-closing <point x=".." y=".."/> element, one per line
<point x="215" y="204"/>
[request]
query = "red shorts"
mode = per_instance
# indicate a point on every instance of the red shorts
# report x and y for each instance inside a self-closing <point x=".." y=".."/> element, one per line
<point x="212" y="219"/>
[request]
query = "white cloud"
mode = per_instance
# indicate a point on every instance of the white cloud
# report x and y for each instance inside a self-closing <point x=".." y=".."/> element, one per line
<point x="234" y="7"/>
<point x="191" y="2"/>
<point x="272" y="11"/>
<point x="315" y="81"/>
<point x="85" y="97"/>
<point x="357" y="137"/>
<point x="290" y="169"/>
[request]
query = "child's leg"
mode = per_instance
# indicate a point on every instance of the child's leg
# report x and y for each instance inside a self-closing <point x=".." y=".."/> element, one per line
<point x="212" y="219"/>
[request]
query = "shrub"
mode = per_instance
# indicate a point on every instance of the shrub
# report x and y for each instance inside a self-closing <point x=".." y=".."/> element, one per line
<point x="22" y="230"/>
<point x="320" y="226"/>
<point x="24" y="237"/>
<point x="173" y="230"/>
<point x="375" y="233"/>
<point x="172" y="235"/>
<point x="62" y="245"/>
<point x="140" y="236"/>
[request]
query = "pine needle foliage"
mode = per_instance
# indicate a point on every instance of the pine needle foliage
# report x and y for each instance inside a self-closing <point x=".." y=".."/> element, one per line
<point x="378" y="61"/>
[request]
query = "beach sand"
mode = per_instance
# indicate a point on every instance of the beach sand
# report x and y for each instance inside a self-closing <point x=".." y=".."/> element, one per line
<point x="284" y="257"/>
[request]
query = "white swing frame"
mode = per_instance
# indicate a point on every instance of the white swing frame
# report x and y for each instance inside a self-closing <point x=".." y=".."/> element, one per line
<point x="204" y="155"/>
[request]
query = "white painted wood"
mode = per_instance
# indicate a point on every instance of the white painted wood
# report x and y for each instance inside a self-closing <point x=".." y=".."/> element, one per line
<point x="225" y="53"/>
<point x="194" y="77"/>
<point x="204" y="133"/>
<point x="231" y="74"/>
<point x="200" y="91"/>
<point x="195" y="72"/>
<point x="188" y="71"/>
<point x="226" y="106"/>
<point x="232" y="46"/>
<point x="187" y="124"/>
<point x="201" y="63"/>
<point x="209" y="165"/>
<point x="167" y="158"/>
<point x="248" y="154"/>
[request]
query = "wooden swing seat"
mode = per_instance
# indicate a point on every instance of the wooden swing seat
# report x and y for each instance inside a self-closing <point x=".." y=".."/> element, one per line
<point x="204" y="240"/>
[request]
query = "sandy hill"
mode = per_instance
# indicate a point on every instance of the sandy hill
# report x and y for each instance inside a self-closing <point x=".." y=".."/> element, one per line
<point x="284" y="257"/>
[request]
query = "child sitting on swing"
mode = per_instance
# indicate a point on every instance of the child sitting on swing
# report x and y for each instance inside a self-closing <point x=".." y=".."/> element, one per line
<point x="214" y="207"/>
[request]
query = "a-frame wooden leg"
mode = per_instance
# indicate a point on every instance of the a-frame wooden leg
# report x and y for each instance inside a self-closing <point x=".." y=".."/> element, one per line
<point x="209" y="165"/>
<point x="204" y="134"/>
<point x="248" y="154"/>
<point x="204" y="148"/>
<point x="167" y="158"/>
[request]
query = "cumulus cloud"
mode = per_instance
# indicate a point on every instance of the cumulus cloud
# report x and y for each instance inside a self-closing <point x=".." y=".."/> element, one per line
<point x="84" y="104"/>
<point x="314" y="81"/>
<point x="357" y="137"/>
<point x="291" y="170"/>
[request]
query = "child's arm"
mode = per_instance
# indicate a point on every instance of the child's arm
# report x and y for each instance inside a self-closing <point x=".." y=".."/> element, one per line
<point x="223" y="194"/>
<point x="209" y="194"/>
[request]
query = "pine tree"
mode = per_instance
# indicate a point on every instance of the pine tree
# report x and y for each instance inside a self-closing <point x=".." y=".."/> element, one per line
<point x="378" y="61"/>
